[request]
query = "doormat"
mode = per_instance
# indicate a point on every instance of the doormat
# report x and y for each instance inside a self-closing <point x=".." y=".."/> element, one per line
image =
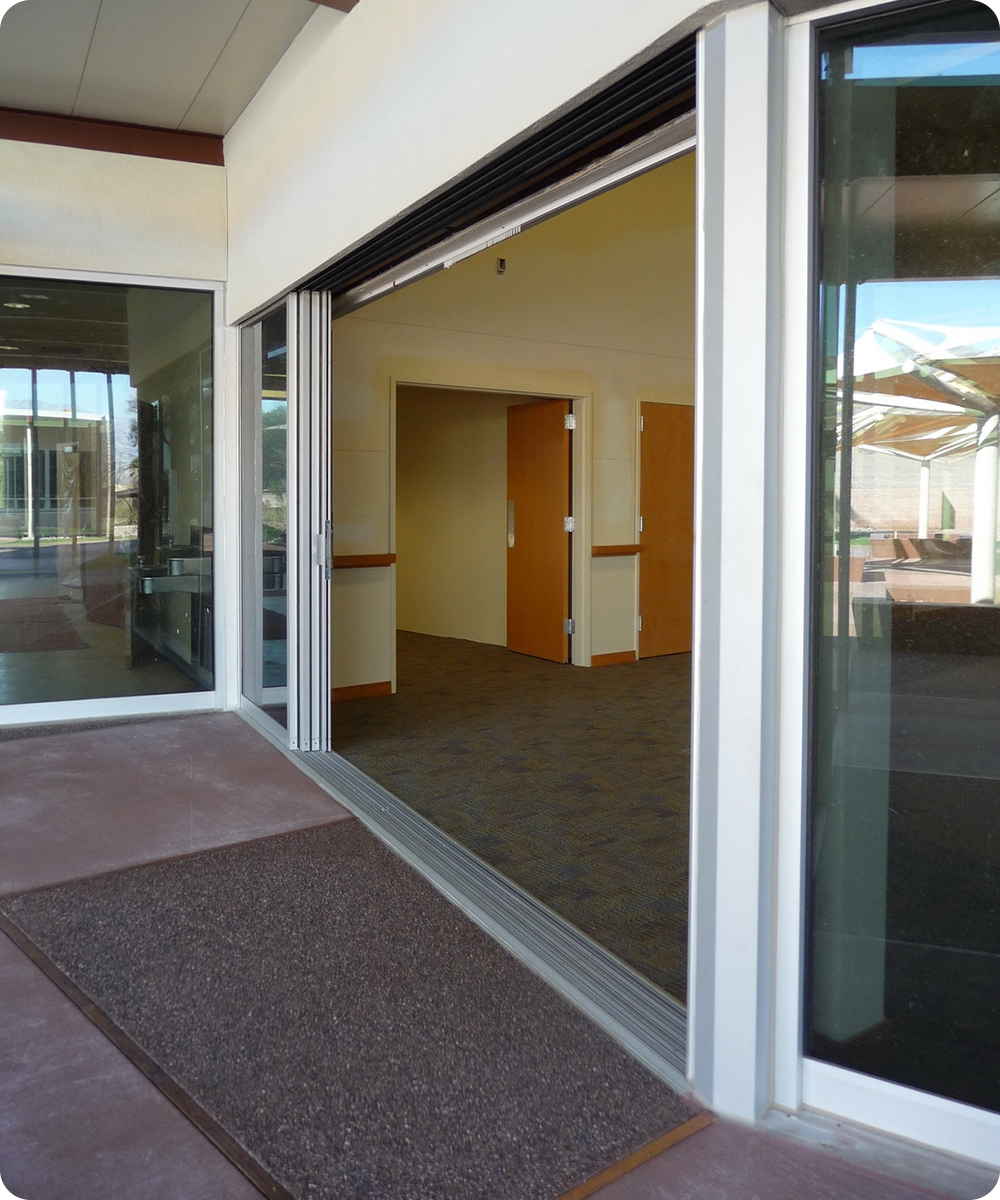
<point x="37" y="623"/>
<point x="343" y="1032"/>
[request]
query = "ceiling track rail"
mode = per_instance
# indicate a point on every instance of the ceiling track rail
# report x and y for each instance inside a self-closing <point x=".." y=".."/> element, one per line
<point x="659" y="91"/>
<point x="646" y="1021"/>
<point x="675" y="139"/>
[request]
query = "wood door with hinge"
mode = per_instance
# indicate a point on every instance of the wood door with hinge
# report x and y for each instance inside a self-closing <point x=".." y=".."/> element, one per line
<point x="666" y="506"/>
<point x="538" y="542"/>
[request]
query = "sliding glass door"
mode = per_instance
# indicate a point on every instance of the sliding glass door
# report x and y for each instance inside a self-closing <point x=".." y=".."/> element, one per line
<point x="904" y="939"/>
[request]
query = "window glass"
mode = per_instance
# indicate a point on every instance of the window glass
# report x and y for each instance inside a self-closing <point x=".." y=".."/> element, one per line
<point x="105" y="491"/>
<point x="904" y="930"/>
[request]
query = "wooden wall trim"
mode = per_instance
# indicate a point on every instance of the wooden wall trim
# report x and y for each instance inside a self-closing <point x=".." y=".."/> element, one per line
<point x="613" y="659"/>
<point x="344" y="6"/>
<point x="614" y="551"/>
<point x="344" y="562"/>
<point x="362" y="691"/>
<point x="81" y="133"/>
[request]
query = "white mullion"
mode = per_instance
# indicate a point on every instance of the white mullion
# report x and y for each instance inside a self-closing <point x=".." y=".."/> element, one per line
<point x="293" y="519"/>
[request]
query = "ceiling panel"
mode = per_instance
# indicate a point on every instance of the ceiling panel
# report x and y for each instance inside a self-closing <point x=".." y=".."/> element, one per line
<point x="43" y="49"/>
<point x="246" y="61"/>
<point x="152" y="56"/>
<point x="169" y="63"/>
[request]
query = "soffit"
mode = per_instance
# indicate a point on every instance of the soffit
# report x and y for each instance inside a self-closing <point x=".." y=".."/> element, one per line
<point x="176" y="64"/>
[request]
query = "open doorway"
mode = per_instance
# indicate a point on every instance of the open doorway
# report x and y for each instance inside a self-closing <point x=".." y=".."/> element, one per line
<point x="563" y="762"/>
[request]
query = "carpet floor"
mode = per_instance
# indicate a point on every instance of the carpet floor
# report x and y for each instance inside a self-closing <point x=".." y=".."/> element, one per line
<point x="38" y="623"/>
<point x="349" y="1031"/>
<point x="574" y="783"/>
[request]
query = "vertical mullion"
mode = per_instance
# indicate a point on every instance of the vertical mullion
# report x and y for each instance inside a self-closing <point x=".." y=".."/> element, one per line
<point x="294" y="538"/>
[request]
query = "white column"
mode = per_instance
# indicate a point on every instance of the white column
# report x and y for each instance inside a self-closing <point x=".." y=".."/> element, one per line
<point x="731" y="993"/>
<point x="925" y="498"/>
<point x="984" y="514"/>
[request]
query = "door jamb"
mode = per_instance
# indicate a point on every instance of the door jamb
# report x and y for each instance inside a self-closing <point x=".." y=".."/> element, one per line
<point x="580" y="450"/>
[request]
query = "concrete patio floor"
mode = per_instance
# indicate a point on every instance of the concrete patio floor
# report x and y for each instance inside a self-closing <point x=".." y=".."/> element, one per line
<point x="79" y="1122"/>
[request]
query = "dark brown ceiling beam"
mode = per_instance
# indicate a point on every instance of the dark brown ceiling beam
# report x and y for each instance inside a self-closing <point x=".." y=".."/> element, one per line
<point x="82" y="133"/>
<point x="339" y="5"/>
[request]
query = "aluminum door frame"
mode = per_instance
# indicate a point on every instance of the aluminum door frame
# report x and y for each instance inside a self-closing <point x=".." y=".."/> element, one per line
<point x="309" y="340"/>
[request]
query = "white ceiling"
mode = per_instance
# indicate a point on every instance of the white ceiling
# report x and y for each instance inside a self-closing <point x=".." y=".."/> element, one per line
<point x="177" y="64"/>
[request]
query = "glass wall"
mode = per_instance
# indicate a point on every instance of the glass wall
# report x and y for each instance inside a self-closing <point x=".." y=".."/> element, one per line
<point x="904" y="930"/>
<point x="105" y="491"/>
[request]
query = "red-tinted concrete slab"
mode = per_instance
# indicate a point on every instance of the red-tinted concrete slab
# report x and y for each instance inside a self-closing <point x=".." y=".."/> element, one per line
<point x="731" y="1162"/>
<point x="79" y="803"/>
<point x="78" y="1121"/>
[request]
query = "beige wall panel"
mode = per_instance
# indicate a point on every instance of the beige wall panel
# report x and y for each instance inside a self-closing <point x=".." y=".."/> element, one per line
<point x="362" y="634"/>
<point x="614" y="582"/>
<point x="451" y="546"/>
<point x="614" y="425"/>
<point x="90" y="210"/>
<point x="360" y="502"/>
<point x="613" y="501"/>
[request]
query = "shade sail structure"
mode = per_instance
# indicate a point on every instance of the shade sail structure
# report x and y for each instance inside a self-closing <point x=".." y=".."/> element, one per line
<point x="926" y="392"/>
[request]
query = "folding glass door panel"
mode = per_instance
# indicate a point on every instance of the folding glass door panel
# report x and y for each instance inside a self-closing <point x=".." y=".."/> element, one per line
<point x="106" y="543"/>
<point x="285" y="390"/>
<point x="265" y="663"/>
<point x="904" y="939"/>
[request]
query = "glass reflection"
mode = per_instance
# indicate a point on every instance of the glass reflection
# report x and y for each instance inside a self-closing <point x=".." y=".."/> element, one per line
<point x="273" y="458"/>
<point x="105" y="491"/>
<point x="904" y="970"/>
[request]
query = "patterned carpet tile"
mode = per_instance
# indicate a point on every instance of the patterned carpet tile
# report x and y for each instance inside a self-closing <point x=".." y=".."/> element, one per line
<point x="572" y="782"/>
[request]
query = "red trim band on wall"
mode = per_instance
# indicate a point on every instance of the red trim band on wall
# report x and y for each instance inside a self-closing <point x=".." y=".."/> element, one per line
<point x="51" y="129"/>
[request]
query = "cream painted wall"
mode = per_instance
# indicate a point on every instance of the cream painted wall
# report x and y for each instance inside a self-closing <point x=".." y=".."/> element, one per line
<point x="451" y="492"/>
<point x="367" y="114"/>
<point x="597" y="302"/>
<point x="91" y="210"/>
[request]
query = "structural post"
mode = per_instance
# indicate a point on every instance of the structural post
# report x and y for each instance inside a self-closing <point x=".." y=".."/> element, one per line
<point x="923" y="518"/>
<point x="731" y="990"/>
<point x="984" y="514"/>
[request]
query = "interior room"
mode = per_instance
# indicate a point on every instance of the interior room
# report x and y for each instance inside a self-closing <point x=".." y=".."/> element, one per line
<point x="511" y="615"/>
<point x="105" y="491"/>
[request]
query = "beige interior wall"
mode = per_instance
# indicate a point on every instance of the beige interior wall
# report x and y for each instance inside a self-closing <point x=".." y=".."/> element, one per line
<point x="598" y="302"/>
<point x="451" y="511"/>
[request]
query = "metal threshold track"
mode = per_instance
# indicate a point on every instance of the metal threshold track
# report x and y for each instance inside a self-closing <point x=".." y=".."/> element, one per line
<point x="647" y="1022"/>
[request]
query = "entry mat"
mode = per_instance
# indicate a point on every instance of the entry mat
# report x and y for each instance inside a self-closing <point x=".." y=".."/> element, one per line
<point x="342" y="1031"/>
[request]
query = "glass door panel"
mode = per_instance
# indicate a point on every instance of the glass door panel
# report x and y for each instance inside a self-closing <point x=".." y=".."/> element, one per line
<point x="904" y="938"/>
<point x="266" y="551"/>
<point x="106" y="543"/>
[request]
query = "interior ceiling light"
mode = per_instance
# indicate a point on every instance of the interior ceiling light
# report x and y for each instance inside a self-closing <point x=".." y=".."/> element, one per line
<point x="8" y="347"/>
<point x="16" y="304"/>
<point x="33" y="296"/>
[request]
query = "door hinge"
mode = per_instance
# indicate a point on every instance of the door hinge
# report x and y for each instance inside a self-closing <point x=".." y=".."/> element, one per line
<point x="642" y="424"/>
<point x="569" y="525"/>
<point x="326" y="549"/>
<point x="639" y="625"/>
<point x="569" y="626"/>
<point x="640" y="524"/>
<point x="569" y="421"/>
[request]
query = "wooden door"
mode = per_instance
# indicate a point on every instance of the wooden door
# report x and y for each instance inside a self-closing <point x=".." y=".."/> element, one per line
<point x="666" y="504"/>
<point x="538" y="503"/>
